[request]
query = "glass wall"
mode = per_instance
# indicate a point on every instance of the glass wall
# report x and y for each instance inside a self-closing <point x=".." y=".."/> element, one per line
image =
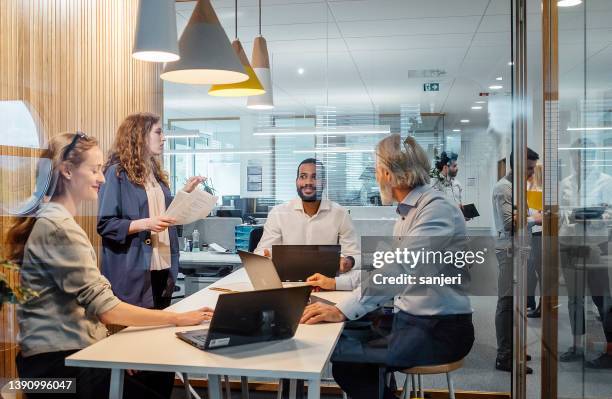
<point x="585" y="194"/>
<point x="345" y="75"/>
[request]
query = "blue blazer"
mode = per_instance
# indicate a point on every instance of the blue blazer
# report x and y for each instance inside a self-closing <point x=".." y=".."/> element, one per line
<point x="126" y="259"/>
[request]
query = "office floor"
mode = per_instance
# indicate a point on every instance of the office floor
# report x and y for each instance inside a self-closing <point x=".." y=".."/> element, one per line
<point x="180" y="394"/>
<point x="479" y="374"/>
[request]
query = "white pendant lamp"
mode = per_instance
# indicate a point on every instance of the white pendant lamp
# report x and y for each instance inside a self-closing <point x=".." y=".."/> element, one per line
<point x="251" y="86"/>
<point x="156" y="39"/>
<point x="261" y="66"/>
<point x="206" y="54"/>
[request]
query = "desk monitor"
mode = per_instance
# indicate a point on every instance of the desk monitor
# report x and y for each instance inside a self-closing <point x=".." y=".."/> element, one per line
<point x="249" y="317"/>
<point x="298" y="262"/>
<point x="229" y="213"/>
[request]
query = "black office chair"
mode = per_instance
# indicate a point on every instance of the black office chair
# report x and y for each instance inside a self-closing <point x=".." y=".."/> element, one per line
<point x="254" y="238"/>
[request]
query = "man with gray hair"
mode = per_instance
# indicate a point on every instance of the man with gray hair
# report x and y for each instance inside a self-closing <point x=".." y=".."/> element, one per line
<point x="428" y="329"/>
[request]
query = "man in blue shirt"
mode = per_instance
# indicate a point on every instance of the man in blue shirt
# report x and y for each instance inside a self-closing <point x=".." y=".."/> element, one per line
<point x="441" y="319"/>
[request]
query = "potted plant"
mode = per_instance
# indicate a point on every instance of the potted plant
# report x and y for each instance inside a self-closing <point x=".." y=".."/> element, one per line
<point x="12" y="292"/>
<point x="207" y="186"/>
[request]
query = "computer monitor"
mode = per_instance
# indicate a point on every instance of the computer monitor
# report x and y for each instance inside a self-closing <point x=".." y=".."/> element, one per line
<point x="229" y="213"/>
<point x="227" y="200"/>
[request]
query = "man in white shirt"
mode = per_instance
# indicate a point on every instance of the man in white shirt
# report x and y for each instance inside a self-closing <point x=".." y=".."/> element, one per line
<point x="310" y="219"/>
<point x="434" y="328"/>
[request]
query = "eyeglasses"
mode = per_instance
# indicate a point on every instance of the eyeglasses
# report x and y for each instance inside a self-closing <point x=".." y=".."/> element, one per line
<point x="70" y="147"/>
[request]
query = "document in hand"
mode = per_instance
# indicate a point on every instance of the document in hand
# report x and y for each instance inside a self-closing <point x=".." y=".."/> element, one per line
<point x="188" y="207"/>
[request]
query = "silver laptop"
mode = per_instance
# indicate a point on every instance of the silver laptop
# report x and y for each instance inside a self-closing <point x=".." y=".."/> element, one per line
<point x="261" y="271"/>
<point x="263" y="275"/>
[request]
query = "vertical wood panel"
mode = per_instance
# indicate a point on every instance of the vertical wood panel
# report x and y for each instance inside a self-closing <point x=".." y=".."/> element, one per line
<point x="549" y="281"/>
<point x="71" y="61"/>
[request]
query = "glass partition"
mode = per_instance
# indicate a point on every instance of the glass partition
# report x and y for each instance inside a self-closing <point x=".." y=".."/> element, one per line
<point x="585" y="195"/>
<point x="345" y="75"/>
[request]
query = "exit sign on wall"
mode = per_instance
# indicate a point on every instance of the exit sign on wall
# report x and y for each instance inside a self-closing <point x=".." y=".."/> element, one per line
<point x="431" y="86"/>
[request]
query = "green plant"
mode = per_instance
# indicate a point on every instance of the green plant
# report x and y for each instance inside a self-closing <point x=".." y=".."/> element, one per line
<point x="207" y="186"/>
<point x="12" y="292"/>
<point x="434" y="173"/>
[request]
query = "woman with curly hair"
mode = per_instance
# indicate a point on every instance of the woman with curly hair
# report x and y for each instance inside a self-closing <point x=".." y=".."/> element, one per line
<point x="140" y="250"/>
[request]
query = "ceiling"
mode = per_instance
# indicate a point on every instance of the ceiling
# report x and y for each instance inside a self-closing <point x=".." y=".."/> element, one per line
<point x="357" y="54"/>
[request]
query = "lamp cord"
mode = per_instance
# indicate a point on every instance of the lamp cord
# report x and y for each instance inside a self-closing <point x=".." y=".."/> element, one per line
<point x="259" y="17"/>
<point x="236" y="19"/>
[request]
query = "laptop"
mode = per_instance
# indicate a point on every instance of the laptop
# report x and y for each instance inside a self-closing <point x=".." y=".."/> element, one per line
<point x="261" y="271"/>
<point x="298" y="262"/>
<point x="249" y="317"/>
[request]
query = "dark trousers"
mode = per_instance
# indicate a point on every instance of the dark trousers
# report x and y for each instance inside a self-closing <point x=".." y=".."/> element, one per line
<point x="534" y="269"/>
<point x="503" y="312"/>
<point x="361" y="380"/>
<point x="159" y="281"/>
<point x="92" y="383"/>
<point x="359" y="367"/>
<point x="580" y="281"/>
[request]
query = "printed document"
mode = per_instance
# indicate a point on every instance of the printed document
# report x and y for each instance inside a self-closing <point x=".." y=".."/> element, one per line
<point x="188" y="207"/>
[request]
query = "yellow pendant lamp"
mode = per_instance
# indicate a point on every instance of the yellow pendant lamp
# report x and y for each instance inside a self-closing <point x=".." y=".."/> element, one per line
<point x="250" y="87"/>
<point x="206" y="54"/>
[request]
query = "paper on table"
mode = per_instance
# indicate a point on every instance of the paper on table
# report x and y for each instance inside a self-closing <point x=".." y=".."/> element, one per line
<point x="188" y="207"/>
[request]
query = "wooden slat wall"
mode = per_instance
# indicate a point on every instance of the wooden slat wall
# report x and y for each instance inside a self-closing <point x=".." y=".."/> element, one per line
<point x="70" y="61"/>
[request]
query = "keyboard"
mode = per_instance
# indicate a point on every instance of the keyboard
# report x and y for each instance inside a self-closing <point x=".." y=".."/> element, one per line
<point x="196" y="338"/>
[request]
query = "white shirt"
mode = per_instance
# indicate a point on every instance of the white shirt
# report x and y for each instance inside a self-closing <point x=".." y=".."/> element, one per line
<point x="502" y="211"/>
<point x="595" y="190"/>
<point x="160" y="242"/>
<point x="288" y="224"/>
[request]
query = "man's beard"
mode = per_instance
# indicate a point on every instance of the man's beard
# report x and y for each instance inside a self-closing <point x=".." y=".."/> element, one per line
<point x="386" y="194"/>
<point x="308" y="198"/>
<point x="452" y="174"/>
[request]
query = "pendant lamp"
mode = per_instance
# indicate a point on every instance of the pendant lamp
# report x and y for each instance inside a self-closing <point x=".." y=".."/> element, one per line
<point x="251" y="86"/>
<point x="206" y="54"/>
<point x="261" y="65"/>
<point x="155" y="39"/>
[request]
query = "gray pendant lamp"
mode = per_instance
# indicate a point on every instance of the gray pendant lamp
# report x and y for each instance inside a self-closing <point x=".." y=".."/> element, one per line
<point x="261" y="65"/>
<point x="156" y="39"/>
<point x="206" y="54"/>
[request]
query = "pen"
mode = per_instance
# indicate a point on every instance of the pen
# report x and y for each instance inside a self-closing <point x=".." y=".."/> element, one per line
<point x="222" y="289"/>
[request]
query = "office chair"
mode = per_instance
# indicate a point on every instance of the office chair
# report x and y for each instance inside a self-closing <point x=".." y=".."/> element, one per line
<point x="254" y="237"/>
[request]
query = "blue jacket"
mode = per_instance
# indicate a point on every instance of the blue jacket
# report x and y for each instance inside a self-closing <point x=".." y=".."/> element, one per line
<point x="126" y="259"/>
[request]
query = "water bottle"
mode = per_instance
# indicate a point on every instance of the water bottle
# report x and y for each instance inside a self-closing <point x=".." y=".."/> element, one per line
<point x="196" y="240"/>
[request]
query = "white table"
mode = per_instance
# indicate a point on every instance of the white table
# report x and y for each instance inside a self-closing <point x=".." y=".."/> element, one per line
<point x="158" y="349"/>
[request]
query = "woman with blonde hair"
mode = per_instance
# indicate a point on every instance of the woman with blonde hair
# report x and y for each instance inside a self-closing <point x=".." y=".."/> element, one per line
<point x="140" y="249"/>
<point x="59" y="263"/>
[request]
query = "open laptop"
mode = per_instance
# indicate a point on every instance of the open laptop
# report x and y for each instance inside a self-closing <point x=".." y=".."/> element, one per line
<point x="298" y="262"/>
<point x="249" y="317"/>
<point x="261" y="271"/>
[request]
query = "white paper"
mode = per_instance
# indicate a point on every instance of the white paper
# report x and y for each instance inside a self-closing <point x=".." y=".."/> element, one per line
<point x="216" y="247"/>
<point x="188" y="207"/>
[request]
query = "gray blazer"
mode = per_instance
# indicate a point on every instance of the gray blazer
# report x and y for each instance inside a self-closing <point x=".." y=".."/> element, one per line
<point x="126" y="258"/>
